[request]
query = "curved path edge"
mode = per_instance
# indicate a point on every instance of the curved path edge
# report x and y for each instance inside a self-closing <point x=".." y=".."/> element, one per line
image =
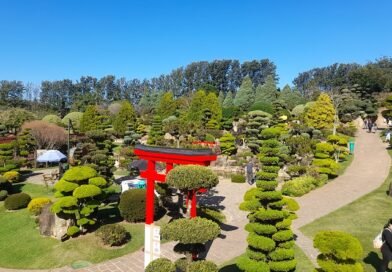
<point x="368" y="171"/>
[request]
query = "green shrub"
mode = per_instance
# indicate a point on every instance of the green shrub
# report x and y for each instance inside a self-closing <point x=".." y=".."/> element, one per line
<point x="247" y="264"/>
<point x="65" y="186"/>
<point x="112" y="234"/>
<point x="79" y="174"/>
<point x="11" y="176"/>
<point x="17" y="201"/>
<point x="161" y="265"/>
<point x="324" y="148"/>
<point x="296" y="170"/>
<point x="36" y="204"/>
<point x="181" y="264"/>
<point x="86" y="191"/>
<point x="51" y="118"/>
<point x="98" y="181"/>
<point x="132" y="205"/>
<point x="261" y="242"/>
<point x="188" y="177"/>
<point x="340" y="251"/>
<point x="202" y="266"/>
<point x="73" y="231"/>
<point x="299" y="186"/>
<point x="3" y="195"/>
<point x="237" y="178"/>
<point x="211" y="214"/>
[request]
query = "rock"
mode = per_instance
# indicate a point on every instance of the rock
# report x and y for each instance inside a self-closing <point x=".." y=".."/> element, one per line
<point x="168" y="136"/>
<point x="283" y="176"/>
<point x="52" y="225"/>
<point x="46" y="221"/>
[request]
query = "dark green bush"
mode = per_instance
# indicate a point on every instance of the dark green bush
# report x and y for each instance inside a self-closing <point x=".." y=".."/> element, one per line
<point x="17" y="201"/>
<point x="112" y="234"/>
<point x="236" y="178"/>
<point x="3" y="195"/>
<point x="202" y="266"/>
<point x="132" y="205"/>
<point x="161" y="265"/>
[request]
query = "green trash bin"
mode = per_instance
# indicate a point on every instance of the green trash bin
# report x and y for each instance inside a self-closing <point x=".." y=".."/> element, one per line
<point x="351" y="146"/>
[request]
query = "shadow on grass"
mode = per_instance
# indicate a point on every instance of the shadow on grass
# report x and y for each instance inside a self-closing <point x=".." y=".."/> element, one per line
<point x="373" y="259"/>
<point x="230" y="268"/>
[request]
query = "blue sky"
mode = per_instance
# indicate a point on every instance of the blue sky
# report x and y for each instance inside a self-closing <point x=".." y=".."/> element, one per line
<point x="57" y="39"/>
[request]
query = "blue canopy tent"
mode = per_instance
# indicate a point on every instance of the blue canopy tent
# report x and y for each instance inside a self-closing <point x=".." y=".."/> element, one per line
<point x="51" y="156"/>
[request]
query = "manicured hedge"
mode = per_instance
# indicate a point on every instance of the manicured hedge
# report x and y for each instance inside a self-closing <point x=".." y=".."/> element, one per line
<point x="17" y="201"/>
<point x="132" y="205"/>
<point x="161" y="265"/>
<point x="112" y="234"/>
<point x="202" y="266"/>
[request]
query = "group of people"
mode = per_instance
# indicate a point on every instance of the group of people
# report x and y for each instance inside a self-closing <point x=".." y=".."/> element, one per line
<point x="370" y="125"/>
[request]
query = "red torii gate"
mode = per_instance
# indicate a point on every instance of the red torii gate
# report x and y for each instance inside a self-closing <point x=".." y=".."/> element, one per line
<point x="170" y="156"/>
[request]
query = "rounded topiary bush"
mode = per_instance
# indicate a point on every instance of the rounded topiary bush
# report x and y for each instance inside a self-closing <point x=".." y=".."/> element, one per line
<point x="340" y="251"/>
<point x="98" y="181"/>
<point x="86" y="191"/>
<point x="132" y="205"/>
<point x="112" y="234"/>
<point x="181" y="264"/>
<point x="161" y="265"/>
<point x="51" y="118"/>
<point x="237" y="178"/>
<point x="189" y="177"/>
<point x="79" y="174"/>
<point x="17" y="201"/>
<point x="202" y="266"/>
<point x="3" y="195"/>
<point x="11" y="176"/>
<point x="36" y="204"/>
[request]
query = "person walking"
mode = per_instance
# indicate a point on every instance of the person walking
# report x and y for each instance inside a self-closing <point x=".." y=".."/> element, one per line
<point x="388" y="136"/>
<point x="386" y="248"/>
<point x="374" y="127"/>
<point x="63" y="166"/>
<point x="370" y="126"/>
<point x="249" y="172"/>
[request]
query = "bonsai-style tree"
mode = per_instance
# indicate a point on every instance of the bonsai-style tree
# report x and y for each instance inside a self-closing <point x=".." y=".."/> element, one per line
<point x="257" y="121"/>
<point x="270" y="239"/>
<point x="340" y="252"/>
<point x="227" y="144"/>
<point x="321" y="114"/>
<point x="190" y="178"/>
<point x="125" y="116"/>
<point x="191" y="234"/>
<point x="79" y="195"/>
<point x="155" y="136"/>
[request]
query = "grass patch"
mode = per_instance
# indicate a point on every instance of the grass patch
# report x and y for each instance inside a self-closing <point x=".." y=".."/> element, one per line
<point x="304" y="264"/>
<point x="22" y="246"/>
<point x="363" y="218"/>
<point x="31" y="250"/>
<point x="343" y="165"/>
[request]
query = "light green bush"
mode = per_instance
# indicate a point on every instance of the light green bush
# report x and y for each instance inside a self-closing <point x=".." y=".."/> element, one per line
<point x="161" y="265"/>
<point x="36" y="204"/>
<point x="11" y="176"/>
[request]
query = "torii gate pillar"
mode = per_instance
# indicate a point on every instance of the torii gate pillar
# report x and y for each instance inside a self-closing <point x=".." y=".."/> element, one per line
<point x="170" y="156"/>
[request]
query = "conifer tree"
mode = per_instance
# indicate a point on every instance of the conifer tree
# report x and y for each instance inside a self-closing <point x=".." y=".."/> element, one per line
<point x="321" y="114"/>
<point x="245" y="95"/>
<point x="267" y="92"/>
<point x="156" y="132"/>
<point x="257" y="121"/>
<point x="221" y="98"/>
<point x="291" y="98"/>
<point x="228" y="102"/>
<point x="270" y="240"/>
<point x="125" y="116"/>
<point x="90" y="119"/>
<point x="167" y="106"/>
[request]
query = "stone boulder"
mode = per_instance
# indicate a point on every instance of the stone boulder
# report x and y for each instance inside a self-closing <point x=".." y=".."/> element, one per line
<point x="52" y="225"/>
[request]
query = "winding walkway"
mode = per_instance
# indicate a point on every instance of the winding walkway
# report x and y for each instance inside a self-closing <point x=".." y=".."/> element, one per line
<point x="368" y="170"/>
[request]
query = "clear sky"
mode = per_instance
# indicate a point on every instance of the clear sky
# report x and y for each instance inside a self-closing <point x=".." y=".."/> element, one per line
<point x="57" y="39"/>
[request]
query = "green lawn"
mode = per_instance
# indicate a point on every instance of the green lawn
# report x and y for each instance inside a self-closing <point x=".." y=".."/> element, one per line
<point x="363" y="218"/>
<point x="343" y="165"/>
<point x="22" y="246"/>
<point x="304" y="264"/>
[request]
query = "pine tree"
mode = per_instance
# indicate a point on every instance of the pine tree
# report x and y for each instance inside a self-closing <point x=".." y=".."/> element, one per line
<point x="155" y="136"/>
<point x="211" y="103"/>
<point x="125" y="116"/>
<point x="291" y="98"/>
<point x="245" y="95"/>
<point x="228" y="102"/>
<point x="270" y="239"/>
<point x="257" y="121"/>
<point x="196" y="108"/>
<point x="267" y="92"/>
<point x="221" y="98"/>
<point x="321" y="114"/>
<point x="167" y="106"/>
<point x="227" y="144"/>
<point x="90" y="119"/>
